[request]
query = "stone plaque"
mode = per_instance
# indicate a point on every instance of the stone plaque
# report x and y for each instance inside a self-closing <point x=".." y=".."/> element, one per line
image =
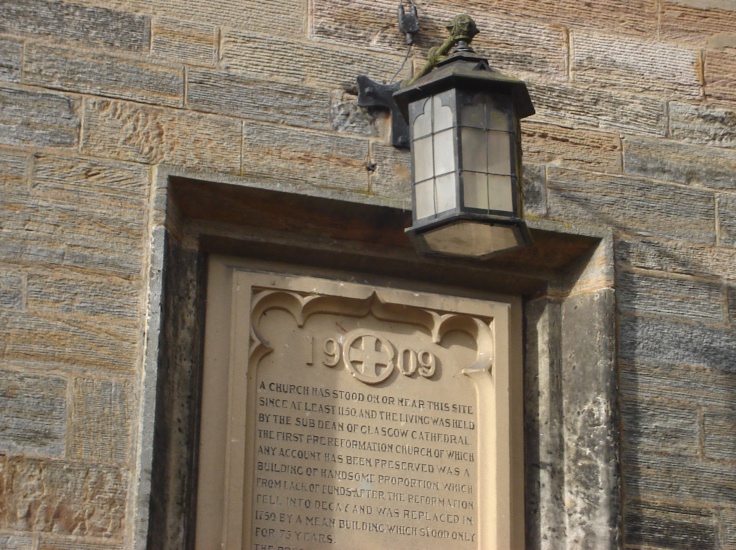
<point x="362" y="417"/>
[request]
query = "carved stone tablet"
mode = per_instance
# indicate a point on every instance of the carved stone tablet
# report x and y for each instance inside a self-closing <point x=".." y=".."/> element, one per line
<point x="361" y="417"/>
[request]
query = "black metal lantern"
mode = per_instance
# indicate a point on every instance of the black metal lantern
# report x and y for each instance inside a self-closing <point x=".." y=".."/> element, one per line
<point x="465" y="139"/>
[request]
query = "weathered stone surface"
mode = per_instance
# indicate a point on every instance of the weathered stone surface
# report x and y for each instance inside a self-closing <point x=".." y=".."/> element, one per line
<point x="50" y="542"/>
<point x="101" y="420"/>
<point x="571" y="105"/>
<point x="15" y="542"/>
<point x="34" y="408"/>
<point x="111" y="299"/>
<point x="101" y="74"/>
<point x="282" y="18"/>
<point x="73" y="342"/>
<point x="631" y="203"/>
<point x="68" y="21"/>
<point x="660" y="476"/>
<point x="510" y="44"/>
<point x="281" y="154"/>
<point x="535" y="190"/>
<point x="11" y="60"/>
<point x="184" y="41"/>
<point x="62" y="497"/>
<point x="38" y="118"/>
<point x="255" y="99"/>
<point x="667" y="525"/>
<point x="14" y="169"/>
<point x="632" y="65"/>
<point x="726" y="219"/>
<point x="677" y="257"/>
<point x="696" y="23"/>
<point x="150" y="135"/>
<point x="12" y="289"/>
<point x="646" y="381"/>
<point x="347" y="117"/>
<point x="84" y="214"/>
<point x="683" y="298"/>
<point x="574" y="148"/>
<point x="680" y="163"/>
<point x="315" y="65"/>
<point x="720" y="75"/>
<point x="728" y="521"/>
<point x="732" y="304"/>
<point x="391" y="176"/>
<point x="660" y="425"/>
<point x="719" y="427"/>
<point x="707" y="124"/>
<point x="667" y="342"/>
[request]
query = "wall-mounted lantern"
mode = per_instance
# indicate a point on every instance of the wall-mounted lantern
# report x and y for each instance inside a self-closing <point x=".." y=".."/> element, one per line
<point x="465" y="143"/>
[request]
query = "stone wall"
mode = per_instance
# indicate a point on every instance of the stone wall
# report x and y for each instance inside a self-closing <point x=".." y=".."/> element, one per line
<point x="635" y="131"/>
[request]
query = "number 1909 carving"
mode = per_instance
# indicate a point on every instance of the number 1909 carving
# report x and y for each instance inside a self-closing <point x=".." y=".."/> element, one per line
<point x="371" y="357"/>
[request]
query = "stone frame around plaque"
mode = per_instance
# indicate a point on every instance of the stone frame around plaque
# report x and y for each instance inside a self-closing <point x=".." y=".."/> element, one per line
<point x="241" y="294"/>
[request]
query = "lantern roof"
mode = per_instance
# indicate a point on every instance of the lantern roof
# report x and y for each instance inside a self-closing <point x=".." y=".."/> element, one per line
<point x="469" y="71"/>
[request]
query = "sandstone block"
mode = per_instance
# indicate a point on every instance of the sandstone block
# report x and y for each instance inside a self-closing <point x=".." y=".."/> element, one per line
<point x="671" y="478"/>
<point x="15" y="542"/>
<point x="575" y="148"/>
<point x="63" y="497"/>
<point x="666" y="525"/>
<point x="632" y="65"/>
<point x="683" y="298"/>
<point x="127" y="131"/>
<point x="695" y="22"/>
<point x="11" y="60"/>
<point x="668" y="342"/>
<point x="703" y="386"/>
<point x="728" y="520"/>
<point x="101" y="420"/>
<point x="184" y="41"/>
<point x="510" y="44"/>
<point x="281" y="154"/>
<point x="677" y="257"/>
<point x="720" y="425"/>
<point x="14" y="169"/>
<point x="316" y="65"/>
<point x="36" y="118"/>
<point x="574" y="105"/>
<point x="732" y="304"/>
<point x="631" y="204"/>
<point x="12" y="289"/>
<point x="660" y="425"/>
<point x="234" y="95"/>
<point x="720" y="75"/>
<point x="34" y="414"/>
<point x="680" y="163"/>
<point x="347" y="117"/>
<point x="706" y="124"/>
<point x="727" y="220"/>
<point x="281" y="18"/>
<point x="101" y="74"/>
<point x="69" y="341"/>
<point x="392" y="174"/>
<point x="50" y="542"/>
<point x="67" y="21"/>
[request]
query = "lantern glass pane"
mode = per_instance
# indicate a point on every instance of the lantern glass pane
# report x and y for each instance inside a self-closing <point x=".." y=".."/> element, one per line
<point x="498" y="115"/>
<point x="446" y="195"/>
<point x="424" y="199"/>
<point x="444" y="153"/>
<point x="423" y="162"/>
<point x="442" y="114"/>
<point x="473" y="115"/>
<point x="475" y="190"/>
<point x="475" y="149"/>
<point x="423" y="122"/>
<point x="501" y="193"/>
<point x="499" y="153"/>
